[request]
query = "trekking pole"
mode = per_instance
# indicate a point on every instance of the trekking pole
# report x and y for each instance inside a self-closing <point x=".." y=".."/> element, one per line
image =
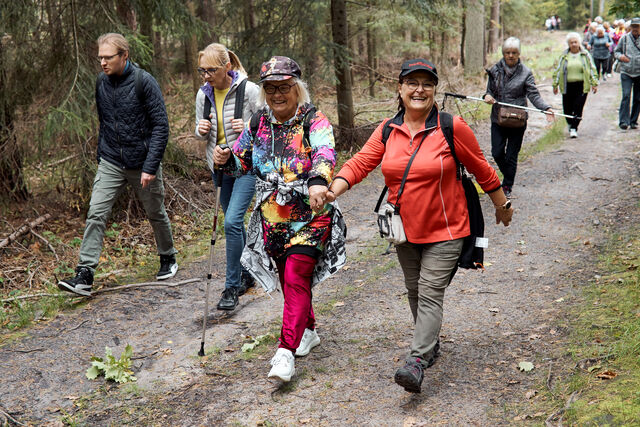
<point x="214" y="236"/>
<point x="473" y="98"/>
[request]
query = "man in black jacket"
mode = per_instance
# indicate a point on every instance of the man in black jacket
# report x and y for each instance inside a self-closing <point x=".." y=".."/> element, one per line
<point x="134" y="130"/>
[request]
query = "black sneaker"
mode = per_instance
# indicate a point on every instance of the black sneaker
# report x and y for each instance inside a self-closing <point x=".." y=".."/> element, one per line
<point x="168" y="267"/>
<point x="623" y="126"/>
<point x="246" y="282"/>
<point x="80" y="284"/>
<point x="229" y="299"/>
<point x="634" y="126"/>
<point x="410" y="375"/>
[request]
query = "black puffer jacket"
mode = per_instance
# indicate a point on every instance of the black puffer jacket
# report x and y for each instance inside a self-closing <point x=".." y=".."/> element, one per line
<point x="514" y="89"/>
<point x="133" y="132"/>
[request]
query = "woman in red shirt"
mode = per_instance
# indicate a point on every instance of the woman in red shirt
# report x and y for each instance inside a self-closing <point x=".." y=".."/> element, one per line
<point x="433" y="206"/>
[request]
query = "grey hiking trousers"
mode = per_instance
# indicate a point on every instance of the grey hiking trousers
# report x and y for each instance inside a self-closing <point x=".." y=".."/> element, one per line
<point x="427" y="270"/>
<point x="110" y="180"/>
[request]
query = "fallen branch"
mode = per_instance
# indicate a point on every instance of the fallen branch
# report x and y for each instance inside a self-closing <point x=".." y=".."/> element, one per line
<point x="189" y="202"/>
<point x="57" y="162"/>
<point x="24" y="230"/>
<point x="17" y="297"/>
<point x="26" y="351"/>
<point x="10" y="418"/>
<point x="140" y="285"/>
<point x="561" y="411"/>
<point x="549" y="381"/>
<point x="46" y="242"/>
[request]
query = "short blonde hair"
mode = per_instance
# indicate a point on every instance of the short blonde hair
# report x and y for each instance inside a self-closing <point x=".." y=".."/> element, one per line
<point x="303" y="92"/>
<point x="116" y="40"/>
<point x="217" y="54"/>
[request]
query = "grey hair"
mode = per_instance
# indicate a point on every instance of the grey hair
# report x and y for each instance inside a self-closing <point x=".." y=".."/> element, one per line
<point x="600" y="27"/>
<point x="303" y="92"/>
<point x="511" y="42"/>
<point x="574" y="35"/>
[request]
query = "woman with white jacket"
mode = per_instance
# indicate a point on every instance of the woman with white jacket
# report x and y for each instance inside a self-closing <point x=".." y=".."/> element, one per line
<point x="223" y="77"/>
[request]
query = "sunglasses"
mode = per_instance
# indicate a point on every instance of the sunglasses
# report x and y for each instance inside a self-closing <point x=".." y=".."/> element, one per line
<point x="283" y="89"/>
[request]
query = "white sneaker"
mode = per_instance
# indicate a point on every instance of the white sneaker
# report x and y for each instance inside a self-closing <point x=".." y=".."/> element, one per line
<point x="283" y="365"/>
<point x="609" y="75"/>
<point x="309" y="340"/>
<point x="573" y="133"/>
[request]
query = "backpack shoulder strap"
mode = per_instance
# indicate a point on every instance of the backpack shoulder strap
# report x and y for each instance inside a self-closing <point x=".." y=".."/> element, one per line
<point x="237" y="113"/>
<point x="306" y="126"/>
<point x="386" y="131"/>
<point x="207" y="108"/>
<point x="446" y="124"/>
<point x="254" y="122"/>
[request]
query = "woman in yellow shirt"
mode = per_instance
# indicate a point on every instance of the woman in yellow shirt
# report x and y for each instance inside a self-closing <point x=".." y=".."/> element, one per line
<point x="224" y="78"/>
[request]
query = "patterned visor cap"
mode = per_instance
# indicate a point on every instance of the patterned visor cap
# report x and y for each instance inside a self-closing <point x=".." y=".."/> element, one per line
<point x="279" y="68"/>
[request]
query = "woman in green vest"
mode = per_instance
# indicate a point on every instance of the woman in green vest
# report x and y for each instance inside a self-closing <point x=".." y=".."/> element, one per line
<point x="574" y="76"/>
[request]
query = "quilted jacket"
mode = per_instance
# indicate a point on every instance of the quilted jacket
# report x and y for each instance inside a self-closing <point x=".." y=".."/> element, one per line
<point x="133" y="132"/>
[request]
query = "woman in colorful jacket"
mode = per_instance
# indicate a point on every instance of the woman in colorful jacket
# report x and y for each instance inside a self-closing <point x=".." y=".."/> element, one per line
<point x="574" y="76"/>
<point x="510" y="81"/>
<point x="293" y="235"/>
<point x="433" y="206"/>
<point x="223" y="74"/>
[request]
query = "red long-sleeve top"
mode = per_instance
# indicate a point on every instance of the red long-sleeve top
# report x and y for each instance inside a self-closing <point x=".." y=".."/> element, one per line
<point x="433" y="206"/>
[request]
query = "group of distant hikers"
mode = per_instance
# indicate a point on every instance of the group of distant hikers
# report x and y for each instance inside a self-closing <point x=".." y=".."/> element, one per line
<point x="268" y="141"/>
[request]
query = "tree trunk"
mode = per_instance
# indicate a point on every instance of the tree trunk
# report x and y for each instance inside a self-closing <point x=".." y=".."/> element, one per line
<point x="601" y="8"/>
<point x="341" y="63"/>
<point x="126" y="14"/>
<point x="474" y="37"/>
<point x="494" y="31"/>
<point x="371" y="53"/>
<point x="190" y="43"/>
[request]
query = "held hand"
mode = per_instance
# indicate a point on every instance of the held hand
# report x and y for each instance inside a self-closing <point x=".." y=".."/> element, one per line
<point x="237" y="125"/>
<point x="489" y="99"/>
<point x="221" y="156"/>
<point x="594" y="89"/>
<point x="331" y="196"/>
<point x="145" y="179"/>
<point x="317" y="197"/>
<point x="624" y="58"/>
<point x="204" y="126"/>
<point x="555" y="90"/>
<point x="550" y="117"/>
<point x="503" y="216"/>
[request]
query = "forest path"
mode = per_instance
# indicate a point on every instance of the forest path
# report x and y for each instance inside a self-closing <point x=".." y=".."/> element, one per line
<point x="565" y="200"/>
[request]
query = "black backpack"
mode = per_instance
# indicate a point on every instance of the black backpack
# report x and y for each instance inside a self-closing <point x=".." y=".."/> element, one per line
<point x="306" y="124"/>
<point x="471" y="255"/>
<point x="237" y="112"/>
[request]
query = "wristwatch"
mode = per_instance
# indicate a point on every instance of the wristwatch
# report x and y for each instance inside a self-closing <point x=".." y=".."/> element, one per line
<point x="505" y="207"/>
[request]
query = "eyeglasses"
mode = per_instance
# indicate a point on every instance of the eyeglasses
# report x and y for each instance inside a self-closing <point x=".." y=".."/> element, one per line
<point x="414" y="84"/>
<point x="108" y="58"/>
<point x="283" y="89"/>
<point x="204" y="71"/>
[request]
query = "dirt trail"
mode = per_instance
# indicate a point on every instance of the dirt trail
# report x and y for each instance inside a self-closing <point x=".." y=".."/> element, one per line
<point x="564" y="200"/>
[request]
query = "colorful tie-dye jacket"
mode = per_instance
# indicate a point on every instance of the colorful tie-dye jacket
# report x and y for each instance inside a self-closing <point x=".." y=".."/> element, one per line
<point x="285" y="168"/>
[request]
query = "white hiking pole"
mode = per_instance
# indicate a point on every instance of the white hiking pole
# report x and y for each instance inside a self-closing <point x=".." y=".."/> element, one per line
<point x="473" y="98"/>
<point x="214" y="236"/>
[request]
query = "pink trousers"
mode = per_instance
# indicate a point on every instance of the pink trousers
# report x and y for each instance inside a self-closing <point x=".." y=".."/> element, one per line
<point x="295" y="277"/>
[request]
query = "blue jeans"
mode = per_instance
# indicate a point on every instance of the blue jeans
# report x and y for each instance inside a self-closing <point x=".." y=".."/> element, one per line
<point x="235" y="197"/>
<point x="629" y="83"/>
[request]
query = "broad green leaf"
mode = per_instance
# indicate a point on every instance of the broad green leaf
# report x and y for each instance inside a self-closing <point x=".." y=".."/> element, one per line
<point x="525" y="366"/>
<point x="249" y="346"/>
<point x="128" y="352"/>
<point x="93" y="372"/>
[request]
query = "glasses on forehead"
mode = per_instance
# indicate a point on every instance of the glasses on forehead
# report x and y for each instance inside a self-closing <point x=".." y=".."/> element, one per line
<point x="414" y="84"/>
<point x="108" y="58"/>
<point x="209" y="71"/>
<point x="283" y="89"/>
